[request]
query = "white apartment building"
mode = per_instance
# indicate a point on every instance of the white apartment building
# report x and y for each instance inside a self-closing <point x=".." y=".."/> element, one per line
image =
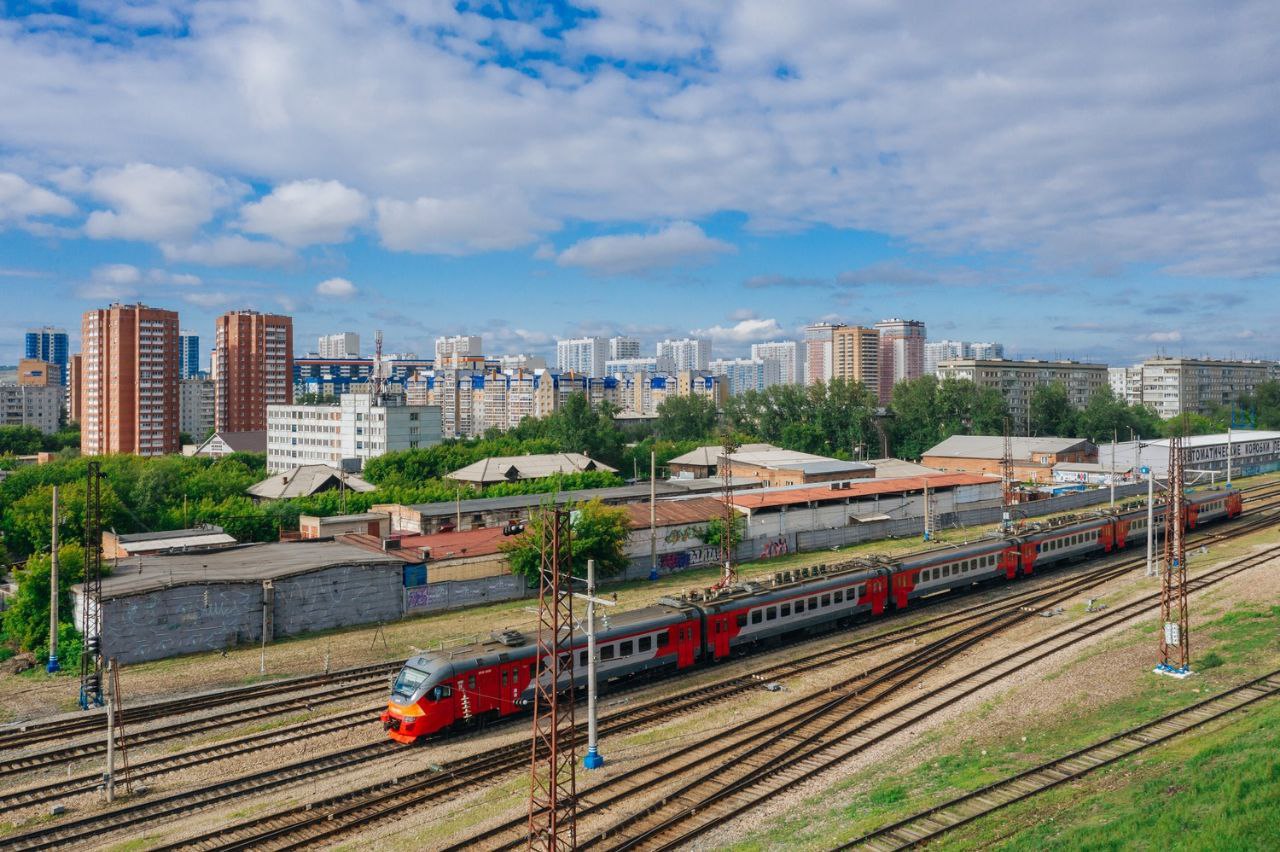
<point x="585" y="355"/>
<point x="31" y="405"/>
<point x="345" y="344"/>
<point x="1126" y="383"/>
<point x="359" y="427"/>
<point x="632" y="366"/>
<point x="521" y="361"/>
<point x="449" y="349"/>
<point x="818" y="359"/>
<point x="623" y="347"/>
<point x="744" y="374"/>
<point x="787" y="354"/>
<point x="686" y="354"/>
<point x="195" y="407"/>
<point x="937" y="351"/>
<point x="1171" y="386"/>
<point x="1017" y="380"/>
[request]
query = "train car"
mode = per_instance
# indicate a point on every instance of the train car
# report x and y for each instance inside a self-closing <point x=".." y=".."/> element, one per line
<point x="474" y="683"/>
<point x="949" y="568"/>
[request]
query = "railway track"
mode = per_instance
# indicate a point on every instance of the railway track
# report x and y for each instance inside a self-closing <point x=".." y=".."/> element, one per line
<point x="461" y="775"/>
<point x="306" y="825"/>
<point x="935" y="821"/>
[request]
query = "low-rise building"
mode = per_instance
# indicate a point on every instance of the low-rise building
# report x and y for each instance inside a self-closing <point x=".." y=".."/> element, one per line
<point x="204" y="537"/>
<point x="305" y="481"/>
<point x="1033" y="459"/>
<point x="787" y="467"/>
<point x="517" y="468"/>
<point x="376" y="524"/>
<point x="703" y="462"/>
<point x="221" y="444"/>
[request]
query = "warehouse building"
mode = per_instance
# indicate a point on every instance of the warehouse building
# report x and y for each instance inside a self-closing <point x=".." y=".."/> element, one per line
<point x="1033" y="458"/>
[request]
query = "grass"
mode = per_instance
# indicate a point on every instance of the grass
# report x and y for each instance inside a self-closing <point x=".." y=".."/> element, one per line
<point x="1224" y="773"/>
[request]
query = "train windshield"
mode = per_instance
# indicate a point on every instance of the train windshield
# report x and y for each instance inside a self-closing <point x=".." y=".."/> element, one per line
<point x="408" y="681"/>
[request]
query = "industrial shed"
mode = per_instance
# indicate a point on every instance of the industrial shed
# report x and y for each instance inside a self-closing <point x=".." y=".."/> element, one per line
<point x="162" y="606"/>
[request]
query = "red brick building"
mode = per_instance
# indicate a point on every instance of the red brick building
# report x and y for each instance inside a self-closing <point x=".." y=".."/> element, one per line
<point x="252" y="368"/>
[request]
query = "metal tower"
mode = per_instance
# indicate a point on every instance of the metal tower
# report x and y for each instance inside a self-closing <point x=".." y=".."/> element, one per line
<point x="1006" y="480"/>
<point x="91" y="623"/>
<point x="730" y="575"/>
<point x="1175" y="638"/>
<point x="552" y="776"/>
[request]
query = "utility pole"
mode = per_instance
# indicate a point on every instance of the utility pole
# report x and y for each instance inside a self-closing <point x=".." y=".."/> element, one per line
<point x="52" y="665"/>
<point x="1229" y="454"/>
<point x="1006" y="476"/>
<point x="928" y="532"/>
<point x="730" y="576"/>
<point x="653" y="515"/>
<point x="109" y="776"/>
<point x="1151" y="521"/>
<point x="1113" y="469"/>
<point x="91" y="631"/>
<point x="553" y="786"/>
<point x="1175" y="641"/>
<point x="593" y="760"/>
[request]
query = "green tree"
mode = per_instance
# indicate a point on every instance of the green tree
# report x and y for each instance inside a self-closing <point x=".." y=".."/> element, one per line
<point x="927" y="411"/>
<point x="1051" y="411"/>
<point x="26" y="621"/>
<point x="686" y="418"/>
<point x="599" y="533"/>
<point x="20" y="440"/>
<point x="713" y="533"/>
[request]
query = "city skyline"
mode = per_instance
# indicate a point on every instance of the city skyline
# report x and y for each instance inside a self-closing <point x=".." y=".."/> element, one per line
<point x="766" y="182"/>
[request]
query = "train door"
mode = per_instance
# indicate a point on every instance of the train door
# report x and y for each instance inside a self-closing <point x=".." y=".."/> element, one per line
<point x="1106" y="536"/>
<point x="686" y="641"/>
<point x="877" y="594"/>
<point x="1235" y="505"/>
<point x="903" y="583"/>
<point x="508" y="689"/>
<point x="1122" y="533"/>
<point x="1193" y="513"/>
<point x="1009" y="562"/>
<point x="721" y="627"/>
<point x="1028" y="556"/>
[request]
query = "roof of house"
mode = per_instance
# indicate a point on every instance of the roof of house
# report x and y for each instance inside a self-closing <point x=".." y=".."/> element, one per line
<point x="992" y="447"/>
<point x="245" y="563"/>
<point x="164" y="534"/>
<point x="512" y="468"/>
<point x="675" y="513"/>
<point x="149" y="542"/>
<point x="856" y="488"/>
<point x="239" y="442"/>
<point x="775" y="458"/>
<point x="346" y="519"/>
<point x="306" y="480"/>
<point x="709" y="456"/>
<point x="893" y="468"/>
<point x="482" y="541"/>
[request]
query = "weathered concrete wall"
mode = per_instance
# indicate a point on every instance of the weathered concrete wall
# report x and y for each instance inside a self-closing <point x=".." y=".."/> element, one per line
<point x="181" y="620"/>
<point x="338" y="596"/>
<point x="451" y="594"/>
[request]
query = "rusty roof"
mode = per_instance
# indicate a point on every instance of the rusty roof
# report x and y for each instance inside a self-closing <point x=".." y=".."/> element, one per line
<point x="856" y="488"/>
<point x="674" y="513"/>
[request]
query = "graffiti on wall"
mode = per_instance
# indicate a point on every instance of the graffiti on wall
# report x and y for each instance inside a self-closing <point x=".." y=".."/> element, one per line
<point x="774" y="547"/>
<point x="689" y="558"/>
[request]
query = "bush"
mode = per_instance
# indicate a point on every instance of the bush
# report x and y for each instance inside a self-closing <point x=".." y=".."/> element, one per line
<point x="1210" y="660"/>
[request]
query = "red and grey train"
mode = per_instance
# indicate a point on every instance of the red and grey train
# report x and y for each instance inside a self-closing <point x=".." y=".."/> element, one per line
<point x="471" y="683"/>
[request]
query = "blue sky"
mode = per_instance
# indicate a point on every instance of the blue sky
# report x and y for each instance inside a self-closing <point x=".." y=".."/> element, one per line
<point x="1089" y="180"/>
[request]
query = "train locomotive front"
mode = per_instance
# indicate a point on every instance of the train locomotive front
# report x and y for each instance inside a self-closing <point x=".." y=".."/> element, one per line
<point x="421" y="699"/>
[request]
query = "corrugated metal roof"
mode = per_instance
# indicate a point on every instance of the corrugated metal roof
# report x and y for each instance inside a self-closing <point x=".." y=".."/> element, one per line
<point x="305" y="480"/>
<point x="510" y="468"/>
<point x="992" y="446"/>
<point x="710" y="456"/>
<point x="857" y="488"/>
<point x="673" y="513"/>
<point x="775" y="458"/>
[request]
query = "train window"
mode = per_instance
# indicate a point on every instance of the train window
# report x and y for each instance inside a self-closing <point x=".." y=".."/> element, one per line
<point x="799" y="606"/>
<point x="826" y="600"/>
<point x="757" y="616"/>
<point x="771" y="613"/>
<point x="837" y="596"/>
<point x="663" y="639"/>
<point x="741" y="618"/>
<point x="582" y="658"/>
<point x="862" y="590"/>
<point x="786" y="610"/>
<point x="813" y="602"/>
<point x="946" y="570"/>
<point x="471" y="681"/>
<point x="606" y="652"/>
<point x="645" y="643"/>
<point x="626" y="649"/>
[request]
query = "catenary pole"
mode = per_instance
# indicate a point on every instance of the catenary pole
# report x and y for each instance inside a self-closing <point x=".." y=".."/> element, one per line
<point x="53" y="589"/>
<point x="110" y="775"/>
<point x="653" y="515"/>
<point x="593" y="760"/>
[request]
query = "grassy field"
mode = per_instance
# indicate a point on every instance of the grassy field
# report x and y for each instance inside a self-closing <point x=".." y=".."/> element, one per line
<point x="1184" y="795"/>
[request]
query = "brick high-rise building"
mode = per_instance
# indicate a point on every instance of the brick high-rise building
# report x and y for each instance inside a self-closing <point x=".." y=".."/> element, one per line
<point x="253" y="368"/>
<point x="855" y="356"/>
<point x="901" y="353"/>
<point x="75" y="366"/>
<point x="129" y="381"/>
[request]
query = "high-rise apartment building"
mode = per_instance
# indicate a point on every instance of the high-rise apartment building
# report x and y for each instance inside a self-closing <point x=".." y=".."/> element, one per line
<point x="855" y="356"/>
<point x="623" y="347"/>
<point x="744" y="374"/>
<point x="195" y="407"/>
<point x="688" y="353"/>
<point x="74" y="367"/>
<point x="188" y="355"/>
<point x="1126" y="383"/>
<point x="1017" y="380"/>
<point x="817" y="351"/>
<point x="1173" y="386"/>
<point x="129" y="381"/>
<point x="49" y="344"/>
<point x="344" y="344"/>
<point x="937" y="351"/>
<point x="253" y="368"/>
<point x="633" y="366"/>
<point x="451" y="350"/>
<point x="787" y="354"/>
<point x="901" y="353"/>
<point x="584" y="355"/>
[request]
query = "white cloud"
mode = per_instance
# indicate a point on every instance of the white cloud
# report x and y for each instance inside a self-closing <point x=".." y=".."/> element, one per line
<point x="155" y="203"/>
<point x="336" y="288"/>
<point x="457" y="226"/>
<point x="743" y="331"/>
<point x="306" y="212"/>
<point x="21" y="200"/>
<point x="122" y="274"/>
<point x="678" y="244"/>
<point x="233" y="250"/>
<point x="1163" y="337"/>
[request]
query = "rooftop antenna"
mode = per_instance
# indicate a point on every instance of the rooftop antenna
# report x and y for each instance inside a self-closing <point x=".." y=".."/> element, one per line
<point x="377" y="378"/>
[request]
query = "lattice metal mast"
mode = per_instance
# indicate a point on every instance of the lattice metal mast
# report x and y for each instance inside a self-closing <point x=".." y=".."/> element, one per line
<point x="553" y="763"/>
<point x="730" y="575"/>
<point x="1175" y="637"/>
<point x="1006" y="479"/>
<point x="91" y="620"/>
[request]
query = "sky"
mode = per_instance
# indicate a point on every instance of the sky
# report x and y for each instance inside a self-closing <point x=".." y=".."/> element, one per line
<point x="1093" y="180"/>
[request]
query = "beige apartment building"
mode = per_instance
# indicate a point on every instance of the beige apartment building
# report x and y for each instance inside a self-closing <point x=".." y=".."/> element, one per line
<point x="855" y="356"/>
<point x="1017" y="380"/>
